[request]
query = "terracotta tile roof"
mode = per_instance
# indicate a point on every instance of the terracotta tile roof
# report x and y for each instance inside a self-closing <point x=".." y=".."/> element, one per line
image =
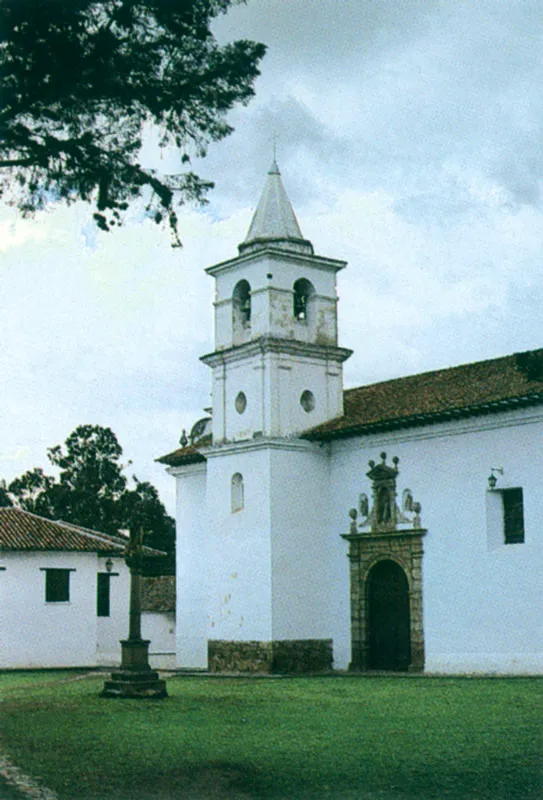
<point x="480" y="388"/>
<point x="158" y="593"/>
<point x="483" y="387"/>
<point x="21" y="530"/>
<point x="185" y="455"/>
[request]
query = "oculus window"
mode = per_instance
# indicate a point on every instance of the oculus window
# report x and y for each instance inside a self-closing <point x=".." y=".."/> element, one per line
<point x="307" y="400"/>
<point x="240" y="403"/>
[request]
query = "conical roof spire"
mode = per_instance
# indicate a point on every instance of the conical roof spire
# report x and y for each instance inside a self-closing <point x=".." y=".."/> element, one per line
<point x="274" y="222"/>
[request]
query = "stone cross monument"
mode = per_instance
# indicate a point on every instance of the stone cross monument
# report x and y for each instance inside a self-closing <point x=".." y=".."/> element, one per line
<point x="135" y="678"/>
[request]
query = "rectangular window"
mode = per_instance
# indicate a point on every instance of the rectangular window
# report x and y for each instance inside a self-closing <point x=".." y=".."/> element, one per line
<point x="513" y="516"/>
<point x="57" y="585"/>
<point x="103" y="594"/>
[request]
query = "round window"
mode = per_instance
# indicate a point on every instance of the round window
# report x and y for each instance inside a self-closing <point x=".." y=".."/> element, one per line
<point x="307" y="401"/>
<point x="241" y="403"/>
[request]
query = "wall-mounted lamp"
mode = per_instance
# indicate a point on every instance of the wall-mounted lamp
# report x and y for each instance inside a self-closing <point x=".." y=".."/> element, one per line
<point x="492" y="479"/>
<point x="109" y="565"/>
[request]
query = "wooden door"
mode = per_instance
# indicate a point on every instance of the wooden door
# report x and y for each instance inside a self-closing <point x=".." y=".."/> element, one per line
<point x="388" y="617"/>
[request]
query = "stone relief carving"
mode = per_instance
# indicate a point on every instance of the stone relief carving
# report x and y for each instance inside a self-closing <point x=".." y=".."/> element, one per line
<point x="381" y="531"/>
<point x="384" y="515"/>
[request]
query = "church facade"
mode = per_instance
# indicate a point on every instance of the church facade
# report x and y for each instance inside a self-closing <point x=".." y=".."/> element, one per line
<point x="395" y="526"/>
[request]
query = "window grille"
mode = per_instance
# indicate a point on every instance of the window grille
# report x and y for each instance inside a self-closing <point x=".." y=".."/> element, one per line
<point x="513" y="516"/>
<point x="57" y="585"/>
<point x="103" y="594"/>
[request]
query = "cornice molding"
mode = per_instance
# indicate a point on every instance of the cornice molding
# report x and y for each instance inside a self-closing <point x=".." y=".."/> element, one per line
<point x="289" y="444"/>
<point x="271" y="344"/>
<point x="277" y="254"/>
<point x="437" y="428"/>
<point x="183" y="470"/>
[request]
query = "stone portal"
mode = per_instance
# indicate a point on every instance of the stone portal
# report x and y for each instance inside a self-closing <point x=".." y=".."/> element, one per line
<point x="385" y="553"/>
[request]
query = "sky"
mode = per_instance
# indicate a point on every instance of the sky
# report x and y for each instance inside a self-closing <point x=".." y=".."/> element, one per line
<point x="409" y="138"/>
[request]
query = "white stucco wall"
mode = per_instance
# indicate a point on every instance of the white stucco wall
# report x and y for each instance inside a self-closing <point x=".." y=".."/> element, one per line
<point x="110" y="630"/>
<point x="482" y="600"/>
<point x="303" y="605"/>
<point x="239" y="546"/>
<point x="159" y="627"/>
<point x="278" y="569"/>
<point x="271" y="298"/>
<point x="193" y="537"/>
<point x="273" y="384"/>
<point x="39" y="634"/>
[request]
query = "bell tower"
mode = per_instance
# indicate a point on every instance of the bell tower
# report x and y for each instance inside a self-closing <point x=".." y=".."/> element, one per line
<point x="277" y="368"/>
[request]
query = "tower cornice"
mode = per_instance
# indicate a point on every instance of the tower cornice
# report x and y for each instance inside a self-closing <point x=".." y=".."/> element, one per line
<point x="289" y="444"/>
<point x="272" y="344"/>
<point x="277" y="254"/>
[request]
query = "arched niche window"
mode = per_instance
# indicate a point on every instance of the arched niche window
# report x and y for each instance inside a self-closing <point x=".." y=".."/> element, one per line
<point x="303" y="294"/>
<point x="236" y="492"/>
<point x="241" y="305"/>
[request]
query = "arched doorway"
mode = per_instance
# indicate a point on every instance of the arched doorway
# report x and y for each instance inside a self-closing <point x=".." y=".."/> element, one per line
<point x="389" y="625"/>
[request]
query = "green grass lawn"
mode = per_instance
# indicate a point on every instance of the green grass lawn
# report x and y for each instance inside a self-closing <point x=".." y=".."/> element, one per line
<point x="345" y="738"/>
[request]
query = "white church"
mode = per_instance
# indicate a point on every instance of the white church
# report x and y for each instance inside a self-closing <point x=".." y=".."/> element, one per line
<point x="395" y="526"/>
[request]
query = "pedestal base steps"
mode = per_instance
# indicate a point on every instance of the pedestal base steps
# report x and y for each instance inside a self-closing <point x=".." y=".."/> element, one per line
<point x="300" y="656"/>
<point x="145" y="684"/>
<point x="135" y="678"/>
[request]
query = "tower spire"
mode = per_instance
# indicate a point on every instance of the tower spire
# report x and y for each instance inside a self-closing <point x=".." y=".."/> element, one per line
<point x="274" y="222"/>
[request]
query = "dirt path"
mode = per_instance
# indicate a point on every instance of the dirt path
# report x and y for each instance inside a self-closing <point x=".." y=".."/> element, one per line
<point x="17" y="785"/>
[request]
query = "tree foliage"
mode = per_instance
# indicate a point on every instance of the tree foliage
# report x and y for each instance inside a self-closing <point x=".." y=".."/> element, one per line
<point x="84" y="81"/>
<point x="92" y="490"/>
<point x="5" y="499"/>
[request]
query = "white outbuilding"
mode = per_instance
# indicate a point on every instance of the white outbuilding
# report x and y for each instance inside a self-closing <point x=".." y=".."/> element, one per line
<point x="64" y="596"/>
<point x="394" y="526"/>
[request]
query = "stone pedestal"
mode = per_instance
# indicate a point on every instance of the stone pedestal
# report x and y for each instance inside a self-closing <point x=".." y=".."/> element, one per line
<point x="135" y="678"/>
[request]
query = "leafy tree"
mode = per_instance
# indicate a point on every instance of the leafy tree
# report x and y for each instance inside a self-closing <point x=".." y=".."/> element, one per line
<point x="5" y="499"/>
<point x="92" y="491"/>
<point x="143" y="508"/>
<point x="83" y="81"/>
<point x="32" y="491"/>
<point x="91" y="481"/>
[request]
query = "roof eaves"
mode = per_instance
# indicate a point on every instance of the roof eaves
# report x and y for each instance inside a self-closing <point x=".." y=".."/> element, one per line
<point x="415" y="420"/>
<point x="178" y="458"/>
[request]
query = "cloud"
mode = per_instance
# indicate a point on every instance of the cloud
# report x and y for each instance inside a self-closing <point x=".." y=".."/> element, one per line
<point x="403" y="87"/>
<point x="409" y="140"/>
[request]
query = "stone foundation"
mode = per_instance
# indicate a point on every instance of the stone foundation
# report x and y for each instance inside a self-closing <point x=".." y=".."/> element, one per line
<point x="224" y="656"/>
<point x="291" y="656"/>
<point x="303" y="655"/>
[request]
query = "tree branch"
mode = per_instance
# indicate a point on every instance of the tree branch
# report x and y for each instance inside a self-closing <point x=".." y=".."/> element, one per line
<point x="18" y="162"/>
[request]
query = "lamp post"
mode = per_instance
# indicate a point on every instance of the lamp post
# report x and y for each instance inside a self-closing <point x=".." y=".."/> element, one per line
<point x="135" y="678"/>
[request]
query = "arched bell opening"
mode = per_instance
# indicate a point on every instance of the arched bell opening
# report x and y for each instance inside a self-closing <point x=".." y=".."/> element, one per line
<point x="303" y="296"/>
<point x="241" y="309"/>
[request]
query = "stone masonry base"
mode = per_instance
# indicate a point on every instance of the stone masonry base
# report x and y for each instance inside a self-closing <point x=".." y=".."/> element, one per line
<point x="294" y="656"/>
